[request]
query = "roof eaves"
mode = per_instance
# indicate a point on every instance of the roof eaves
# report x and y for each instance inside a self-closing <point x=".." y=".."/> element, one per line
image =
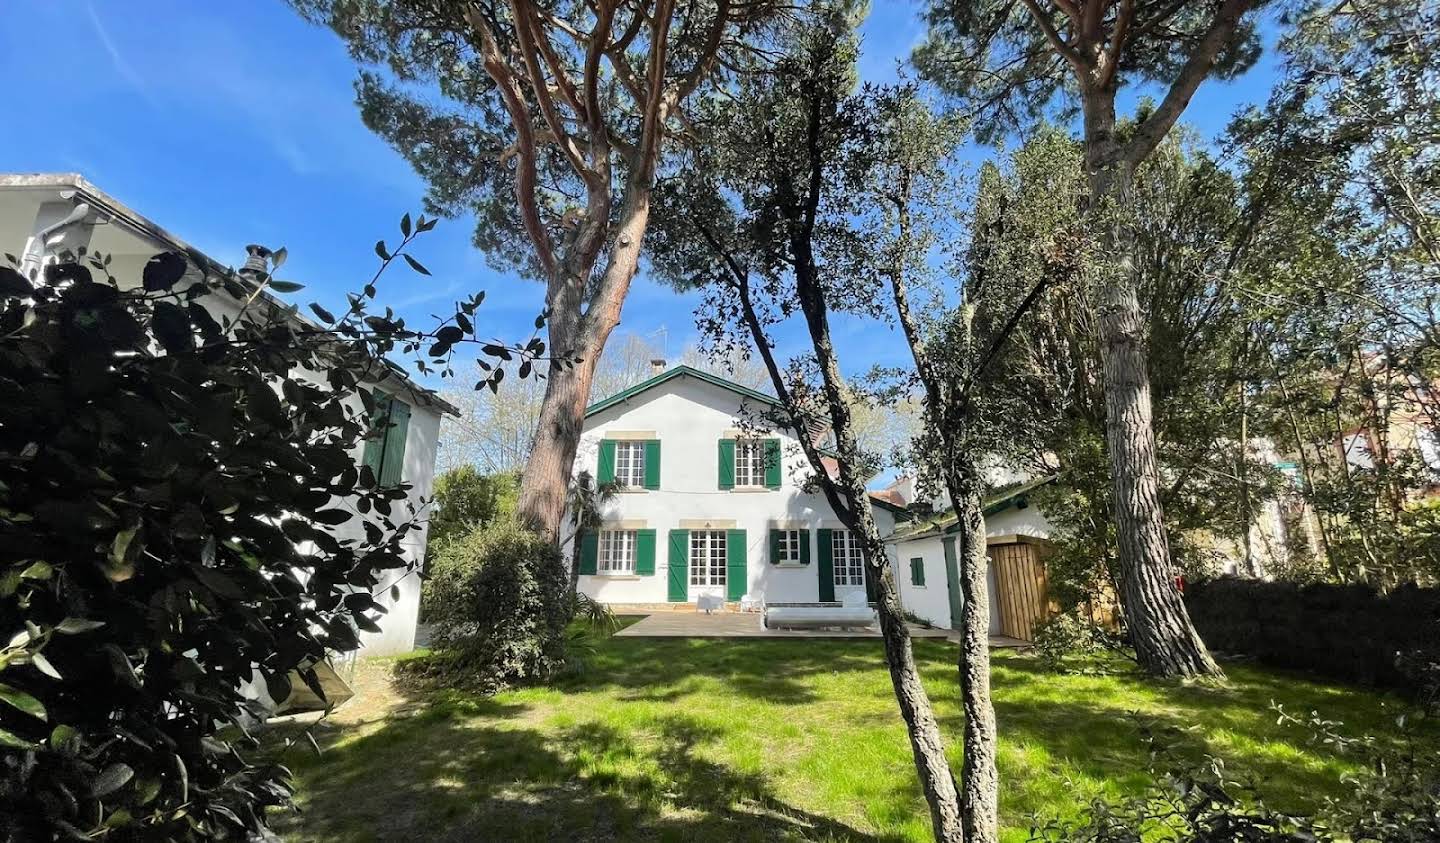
<point x="671" y="374"/>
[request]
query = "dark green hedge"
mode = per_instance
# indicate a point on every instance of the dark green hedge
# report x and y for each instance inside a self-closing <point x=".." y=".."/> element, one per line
<point x="1345" y="632"/>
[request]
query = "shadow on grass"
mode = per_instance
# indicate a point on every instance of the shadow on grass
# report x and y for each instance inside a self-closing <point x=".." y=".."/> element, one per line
<point x="445" y="776"/>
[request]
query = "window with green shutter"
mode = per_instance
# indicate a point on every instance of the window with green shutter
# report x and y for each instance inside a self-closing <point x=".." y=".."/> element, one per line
<point x="772" y="463"/>
<point x="677" y="570"/>
<point x="605" y="467"/>
<point x="727" y="464"/>
<point x="652" y="464"/>
<point x="737" y="578"/>
<point x="385" y="446"/>
<point x="825" y="571"/>
<point x="645" y="553"/>
<point x="917" y="572"/>
<point x="789" y="547"/>
<point x="589" y="551"/>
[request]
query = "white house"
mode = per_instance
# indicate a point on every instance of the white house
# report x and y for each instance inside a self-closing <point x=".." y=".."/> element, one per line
<point x="1017" y="533"/>
<point x="712" y="502"/>
<point x="43" y="215"/>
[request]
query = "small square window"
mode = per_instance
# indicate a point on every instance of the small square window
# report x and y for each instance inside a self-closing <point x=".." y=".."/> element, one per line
<point x="788" y="547"/>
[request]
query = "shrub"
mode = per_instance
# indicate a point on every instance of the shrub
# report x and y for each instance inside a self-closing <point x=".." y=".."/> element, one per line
<point x="499" y="606"/>
<point x="1070" y="643"/>
<point x="465" y="498"/>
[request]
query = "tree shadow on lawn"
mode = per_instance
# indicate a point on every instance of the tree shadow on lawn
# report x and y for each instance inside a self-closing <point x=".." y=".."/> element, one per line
<point x="443" y="776"/>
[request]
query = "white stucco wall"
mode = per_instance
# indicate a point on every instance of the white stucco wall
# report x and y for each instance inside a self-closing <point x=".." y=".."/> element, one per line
<point x="689" y="417"/>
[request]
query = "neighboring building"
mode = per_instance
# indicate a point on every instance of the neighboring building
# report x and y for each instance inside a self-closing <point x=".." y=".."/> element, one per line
<point x="712" y="503"/>
<point x="44" y="215"/>
<point x="926" y="562"/>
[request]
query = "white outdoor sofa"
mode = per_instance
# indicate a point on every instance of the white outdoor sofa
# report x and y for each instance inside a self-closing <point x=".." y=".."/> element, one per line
<point x="855" y="611"/>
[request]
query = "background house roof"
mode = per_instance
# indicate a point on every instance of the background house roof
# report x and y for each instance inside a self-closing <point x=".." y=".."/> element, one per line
<point x="946" y="521"/>
<point x="117" y="212"/>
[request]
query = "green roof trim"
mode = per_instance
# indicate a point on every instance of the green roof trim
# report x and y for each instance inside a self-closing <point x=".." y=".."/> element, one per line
<point x="671" y="374"/>
<point x="947" y="522"/>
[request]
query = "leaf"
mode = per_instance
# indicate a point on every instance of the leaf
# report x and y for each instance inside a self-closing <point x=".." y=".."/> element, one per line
<point x="277" y="258"/>
<point x="171" y="325"/>
<point x="331" y="516"/>
<point x="8" y="739"/>
<point x="77" y="626"/>
<point x="449" y="334"/>
<point x="111" y="779"/>
<point x="380" y="250"/>
<point x="464" y="322"/>
<point x="405" y="224"/>
<point x="44" y="666"/>
<point x="416" y="265"/>
<point x="278" y="686"/>
<point x="12" y="283"/>
<point x="163" y="271"/>
<point x="322" y="313"/>
<point x="39" y="570"/>
<point x="21" y="701"/>
<point x="65" y="739"/>
<point x="286" y="286"/>
<point x="120" y="546"/>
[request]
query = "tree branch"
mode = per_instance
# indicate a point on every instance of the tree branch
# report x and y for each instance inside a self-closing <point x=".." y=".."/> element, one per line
<point x="1063" y="47"/>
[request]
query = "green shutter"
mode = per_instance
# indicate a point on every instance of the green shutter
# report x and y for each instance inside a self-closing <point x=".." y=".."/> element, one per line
<point x="392" y="466"/>
<point x="772" y="463"/>
<point x="727" y="463"/>
<point x="652" y="464"/>
<point x="375" y="441"/>
<point x="775" y="546"/>
<point x="917" y="571"/>
<point x="605" y="471"/>
<point x="952" y="583"/>
<point x="804" y="547"/>
<point x="737" y="580"/>
<point x="826" y="569"/>
<point x="645" y="553"/>
<point x="678" y="573"/>
<point x="589" y="551"/>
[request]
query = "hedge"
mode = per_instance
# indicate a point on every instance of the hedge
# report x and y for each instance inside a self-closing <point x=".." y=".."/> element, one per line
<point x="1345" y="632"/>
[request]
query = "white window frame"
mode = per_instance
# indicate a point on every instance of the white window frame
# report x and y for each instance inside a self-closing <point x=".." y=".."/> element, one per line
<point x="846" y="560"/>
<point x="616" y="555"/>
<point x="750" y="463"/>
<point x="707" y="557"/>
<point x="630" y="464"/>
<point x="788" y="550"/>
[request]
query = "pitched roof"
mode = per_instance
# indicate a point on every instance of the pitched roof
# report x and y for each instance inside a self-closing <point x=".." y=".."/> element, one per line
<point x="945" y="521"/>
<point x="671" y="374"/>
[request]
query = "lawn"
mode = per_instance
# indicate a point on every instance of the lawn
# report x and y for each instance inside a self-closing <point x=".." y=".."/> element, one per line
<point x="695" y="740"/>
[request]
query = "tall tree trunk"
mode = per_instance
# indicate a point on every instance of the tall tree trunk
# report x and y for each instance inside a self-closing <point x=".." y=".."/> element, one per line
<point x="1166" y="642"/>
<point x="979" y="799"/>
<point x="579" y="338"/>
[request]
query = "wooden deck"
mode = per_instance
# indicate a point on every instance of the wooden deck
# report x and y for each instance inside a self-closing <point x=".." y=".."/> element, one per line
<point x="748" y="625"/>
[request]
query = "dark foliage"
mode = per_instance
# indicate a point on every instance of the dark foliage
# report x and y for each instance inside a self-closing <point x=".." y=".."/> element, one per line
<point x="499" y="605"/>
<point x="1346" y="632"/>
<point x="182" y="512"/>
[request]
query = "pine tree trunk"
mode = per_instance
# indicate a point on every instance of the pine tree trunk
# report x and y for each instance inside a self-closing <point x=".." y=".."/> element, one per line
<point x="979" y="799"/>
<point x="1165" y="639"/>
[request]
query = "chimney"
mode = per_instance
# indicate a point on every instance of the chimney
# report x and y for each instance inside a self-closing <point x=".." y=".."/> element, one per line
<point x="657" y="366"/>
<point x="257" y="263"/>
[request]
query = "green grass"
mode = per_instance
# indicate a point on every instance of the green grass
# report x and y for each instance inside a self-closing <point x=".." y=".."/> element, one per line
<point x="696" y="740"/>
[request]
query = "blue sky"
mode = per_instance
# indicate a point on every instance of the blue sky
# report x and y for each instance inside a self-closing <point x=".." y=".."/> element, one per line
<point x="232" y="123"/>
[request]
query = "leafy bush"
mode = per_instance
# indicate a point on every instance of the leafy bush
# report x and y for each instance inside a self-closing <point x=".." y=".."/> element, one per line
<point x="465" y="499"/>
<point x="169" y="528"/>
<point x="182" y="513"/>
<point x="499" y="606"/>
<point x="1070" y="643"/>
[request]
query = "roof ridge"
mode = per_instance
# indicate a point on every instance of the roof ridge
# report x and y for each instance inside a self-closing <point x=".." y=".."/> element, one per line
<point x="672" y="373"/>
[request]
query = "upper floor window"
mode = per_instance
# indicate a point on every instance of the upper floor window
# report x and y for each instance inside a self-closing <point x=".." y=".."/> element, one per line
<point x="630" y="463"/>
<point x="385" y="446"/>
<point x="750" y="462"/>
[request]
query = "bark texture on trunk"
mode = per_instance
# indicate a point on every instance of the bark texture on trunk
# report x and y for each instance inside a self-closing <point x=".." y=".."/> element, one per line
<point x="979" y="800"/>
<point x="1166" y="642"/>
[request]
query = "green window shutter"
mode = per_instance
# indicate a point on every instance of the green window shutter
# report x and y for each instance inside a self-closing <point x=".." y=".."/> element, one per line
<point x="645" y="553"/>
<point x="392" y="465"/>
<point x="678" y="575"/>
<point x="589" y="551"/>
<point x="375" y="442"/>
<point x="737" y="580"/>
<point x="605" y="471"/>
<point x="727" y="463"/>
<point x="652" y="464"/>
<point x="772" y="463"/>
<point x="826" y="569"/>
<point x="917" y="571"/>
<point x="804" y="547"/>
<point x="775" y="546"/>
<point x="952" y="582"/>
